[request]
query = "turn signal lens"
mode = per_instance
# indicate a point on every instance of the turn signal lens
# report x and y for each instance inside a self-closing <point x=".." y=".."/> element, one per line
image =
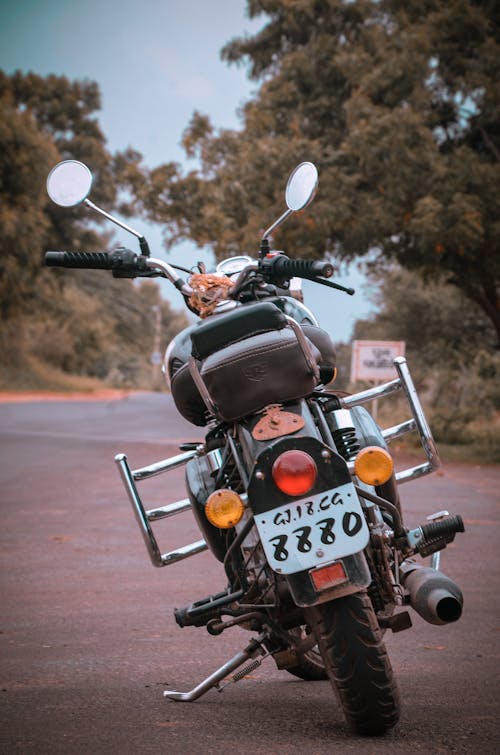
<point x="224" y="508"/>
<point x="294" y="472"/>
<point x="373" y="465"/>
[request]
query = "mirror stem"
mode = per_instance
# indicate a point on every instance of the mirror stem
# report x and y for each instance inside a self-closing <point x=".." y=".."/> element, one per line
<point x="277" y="223"/>
<point x="142" y="241"/>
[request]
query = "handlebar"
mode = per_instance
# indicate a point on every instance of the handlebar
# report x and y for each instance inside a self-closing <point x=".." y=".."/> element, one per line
<point x="94" y="260"/>
<point x="278" y="268"/>
<point x="283" y="267"/>
<point x="121" y="261"/>
<point x="126" y="264"/>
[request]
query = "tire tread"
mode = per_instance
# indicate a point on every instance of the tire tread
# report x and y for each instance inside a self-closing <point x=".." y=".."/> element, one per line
<point x="357" y="663"/>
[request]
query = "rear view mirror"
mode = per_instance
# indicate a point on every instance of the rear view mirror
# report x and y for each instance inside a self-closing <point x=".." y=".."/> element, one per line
<point x="301" y="186"/>
<point x="69" y="183"/>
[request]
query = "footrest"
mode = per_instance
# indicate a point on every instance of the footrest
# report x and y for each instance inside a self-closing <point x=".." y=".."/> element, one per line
<point x="434" y="536"/>
<point x="202" y="611"/>
<point x="442" y="528"/>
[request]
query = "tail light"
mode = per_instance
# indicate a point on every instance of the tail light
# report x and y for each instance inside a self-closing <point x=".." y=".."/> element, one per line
<point x="294" y="472"/>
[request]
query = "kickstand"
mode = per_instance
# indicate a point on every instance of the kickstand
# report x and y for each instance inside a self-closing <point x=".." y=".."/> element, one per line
<point x="253" y="649"/>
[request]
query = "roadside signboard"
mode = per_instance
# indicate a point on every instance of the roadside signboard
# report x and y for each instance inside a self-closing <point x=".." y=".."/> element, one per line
<point x="155" y="358"/>
<point x="373" y="360"/>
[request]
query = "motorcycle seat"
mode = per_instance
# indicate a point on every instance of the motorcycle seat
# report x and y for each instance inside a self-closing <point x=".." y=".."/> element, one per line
<point x="220" y="331"/>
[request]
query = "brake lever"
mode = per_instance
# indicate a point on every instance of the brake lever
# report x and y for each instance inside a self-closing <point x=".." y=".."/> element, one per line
<point x="331" y="284"/>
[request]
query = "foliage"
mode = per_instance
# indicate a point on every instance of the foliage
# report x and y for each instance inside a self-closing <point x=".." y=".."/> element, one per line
<point x="82" y="323"/>
<point x="449" y="349"/>
<point x="397" y="103"/>
<point x="435" y="320"/>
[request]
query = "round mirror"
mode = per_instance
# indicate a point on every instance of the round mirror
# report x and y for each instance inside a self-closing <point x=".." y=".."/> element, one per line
<point x="68" y="183"/>
<point x="301" y="186"/>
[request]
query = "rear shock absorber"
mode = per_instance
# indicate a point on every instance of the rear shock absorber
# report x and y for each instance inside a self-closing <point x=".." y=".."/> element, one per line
<point x="343" y="433"/>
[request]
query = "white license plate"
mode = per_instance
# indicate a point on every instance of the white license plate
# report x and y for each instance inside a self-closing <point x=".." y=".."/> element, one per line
<point x="312" y="531"/>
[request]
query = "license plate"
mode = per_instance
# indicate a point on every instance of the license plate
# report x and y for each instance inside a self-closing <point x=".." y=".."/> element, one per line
<point x="314" y="530"/>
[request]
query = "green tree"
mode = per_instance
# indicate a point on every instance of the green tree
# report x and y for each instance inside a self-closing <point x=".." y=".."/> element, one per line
<point x="398" y="104"/>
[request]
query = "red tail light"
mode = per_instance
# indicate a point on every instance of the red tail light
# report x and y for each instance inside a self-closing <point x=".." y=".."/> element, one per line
<point x="294" y="472"/>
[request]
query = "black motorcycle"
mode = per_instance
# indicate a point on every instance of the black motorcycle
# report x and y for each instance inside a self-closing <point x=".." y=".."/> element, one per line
<point x="293" y="486"/>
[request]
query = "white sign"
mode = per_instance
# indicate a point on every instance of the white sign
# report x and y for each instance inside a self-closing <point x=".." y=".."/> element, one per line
<point x="373" y="360"/>
<point x="155" y="358"/>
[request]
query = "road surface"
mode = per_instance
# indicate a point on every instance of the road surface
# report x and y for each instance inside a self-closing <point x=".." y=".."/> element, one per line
<point x="88" y="637"/>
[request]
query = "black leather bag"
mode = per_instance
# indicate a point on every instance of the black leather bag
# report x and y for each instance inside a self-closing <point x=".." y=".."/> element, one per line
<point x="268" y="361"/>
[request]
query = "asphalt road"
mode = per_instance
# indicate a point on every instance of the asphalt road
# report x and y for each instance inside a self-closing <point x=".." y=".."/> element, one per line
<point x="88" y="637"/>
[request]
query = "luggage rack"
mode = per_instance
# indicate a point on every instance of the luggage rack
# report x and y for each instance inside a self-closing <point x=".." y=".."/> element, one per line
<point x="146" y="517"/>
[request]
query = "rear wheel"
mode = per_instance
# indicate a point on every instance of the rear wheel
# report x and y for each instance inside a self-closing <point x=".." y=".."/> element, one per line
<point x="310" y="665"/>
<point x="356" y="661"/>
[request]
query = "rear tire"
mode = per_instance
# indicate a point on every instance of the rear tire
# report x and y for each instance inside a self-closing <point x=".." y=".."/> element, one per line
<point x="310" y="666"/>
<point x="356" y="661"/>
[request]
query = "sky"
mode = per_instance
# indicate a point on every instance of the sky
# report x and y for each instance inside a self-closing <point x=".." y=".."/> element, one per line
<point x="155" y="62"/>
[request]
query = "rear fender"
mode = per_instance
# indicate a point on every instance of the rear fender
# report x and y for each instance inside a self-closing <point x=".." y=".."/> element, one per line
<point x="263" y="495"/>
<point x="305" y="593"/>
<point x="251" y="448"/>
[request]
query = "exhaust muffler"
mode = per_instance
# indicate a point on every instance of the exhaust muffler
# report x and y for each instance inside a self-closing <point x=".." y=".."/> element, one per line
<point x="433" y="595"/>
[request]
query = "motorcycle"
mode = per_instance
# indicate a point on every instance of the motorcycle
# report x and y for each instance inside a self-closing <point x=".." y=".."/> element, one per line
<point x="293" y="486"/>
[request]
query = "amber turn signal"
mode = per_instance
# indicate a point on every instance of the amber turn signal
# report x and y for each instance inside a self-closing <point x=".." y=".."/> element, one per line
<point x="224" y="508"/>
<point x="373" y="465"/>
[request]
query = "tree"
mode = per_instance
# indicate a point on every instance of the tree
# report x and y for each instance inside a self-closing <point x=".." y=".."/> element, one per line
<point x="25" y="158"/>
<point x="440" y="327"/>
<point x="79" y="322"/>
<point x="43" y="120"/>
<point x="397" y="103"/>
<point x="449" y="344"/>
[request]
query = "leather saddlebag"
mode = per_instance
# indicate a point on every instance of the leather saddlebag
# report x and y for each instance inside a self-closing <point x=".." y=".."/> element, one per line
<point x="267" y="368"/>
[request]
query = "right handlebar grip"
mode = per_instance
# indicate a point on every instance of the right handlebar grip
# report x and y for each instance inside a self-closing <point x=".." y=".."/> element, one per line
<point x="302" y="268"/>
<point x="91" y="260"/>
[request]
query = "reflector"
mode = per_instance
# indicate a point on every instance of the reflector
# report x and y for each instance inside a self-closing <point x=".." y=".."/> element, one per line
<point x="328" y="576"/>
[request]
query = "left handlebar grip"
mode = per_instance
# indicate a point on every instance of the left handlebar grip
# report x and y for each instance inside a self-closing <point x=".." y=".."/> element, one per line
<point x="91" y="260"/>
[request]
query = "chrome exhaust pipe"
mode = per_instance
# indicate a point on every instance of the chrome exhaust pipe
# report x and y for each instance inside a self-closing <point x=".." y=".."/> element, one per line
<point x="433" y="595"/>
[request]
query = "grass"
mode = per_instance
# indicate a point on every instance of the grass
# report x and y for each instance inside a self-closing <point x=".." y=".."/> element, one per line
<point x="35" y="375"/>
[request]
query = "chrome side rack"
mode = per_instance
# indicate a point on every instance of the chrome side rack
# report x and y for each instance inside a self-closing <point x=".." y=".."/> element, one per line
<point x="144" y="517"/>
<point x="419" y="423"/>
